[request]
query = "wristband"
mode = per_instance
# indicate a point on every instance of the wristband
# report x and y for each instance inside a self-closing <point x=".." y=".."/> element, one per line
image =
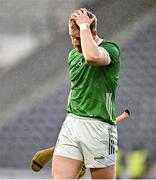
<point x="84" y="26"/>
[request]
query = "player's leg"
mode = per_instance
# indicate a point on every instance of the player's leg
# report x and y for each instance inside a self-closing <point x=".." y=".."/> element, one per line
<point x="103" y="173"/>
<point x="67" y="158"/>
<point x="65" y="168"/>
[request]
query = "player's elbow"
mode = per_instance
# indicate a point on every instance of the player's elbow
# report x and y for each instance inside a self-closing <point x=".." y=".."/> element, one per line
<point x="92" y="60"/>
<point x="100" y="57"/>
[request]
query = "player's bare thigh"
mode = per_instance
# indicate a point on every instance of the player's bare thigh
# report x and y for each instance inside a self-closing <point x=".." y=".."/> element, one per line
<point x="65" y="168"/>
<point x="104" y="173"/>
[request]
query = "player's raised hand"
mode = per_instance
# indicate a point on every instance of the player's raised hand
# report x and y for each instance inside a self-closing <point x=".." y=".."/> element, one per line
<point x="81" y="17"/>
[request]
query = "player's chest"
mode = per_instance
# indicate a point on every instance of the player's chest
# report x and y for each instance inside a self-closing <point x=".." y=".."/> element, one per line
<point x="77" y="65"/>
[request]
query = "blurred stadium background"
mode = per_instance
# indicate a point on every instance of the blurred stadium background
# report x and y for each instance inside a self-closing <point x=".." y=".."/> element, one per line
<point x="34" y="86"/>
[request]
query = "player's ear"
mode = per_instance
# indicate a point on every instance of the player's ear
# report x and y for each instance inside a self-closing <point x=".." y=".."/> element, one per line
<point x="94" y="33"/>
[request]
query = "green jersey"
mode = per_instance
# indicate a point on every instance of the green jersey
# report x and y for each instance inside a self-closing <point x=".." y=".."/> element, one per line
<point x="93" y="88"/>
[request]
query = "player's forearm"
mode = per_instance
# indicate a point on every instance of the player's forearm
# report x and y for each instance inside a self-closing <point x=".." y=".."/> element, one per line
<point x="93" y="54"/>
<point x="89" y="47"/>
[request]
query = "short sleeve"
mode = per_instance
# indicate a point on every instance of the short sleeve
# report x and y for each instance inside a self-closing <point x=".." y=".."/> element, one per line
<point x="114" y="52"/>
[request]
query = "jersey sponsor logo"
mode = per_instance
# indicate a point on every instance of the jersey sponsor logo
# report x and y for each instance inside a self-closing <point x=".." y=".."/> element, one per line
<point x="73" y="63"/>
<point x="80" y="63"/>
<point x="98" y="158"/>
<point x="77" y="63"/>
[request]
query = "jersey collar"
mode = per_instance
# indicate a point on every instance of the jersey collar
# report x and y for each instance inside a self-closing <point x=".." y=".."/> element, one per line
<point x="99" y="42"/>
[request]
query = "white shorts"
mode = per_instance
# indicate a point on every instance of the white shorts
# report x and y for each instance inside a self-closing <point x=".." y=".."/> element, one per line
<point x="89" y="140"/>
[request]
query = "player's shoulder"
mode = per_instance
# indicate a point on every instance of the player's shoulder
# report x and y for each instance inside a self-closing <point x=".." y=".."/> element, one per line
<point x="110" y="43"/>
<point x="71" y="53"/>
<point x="111" y="47"/>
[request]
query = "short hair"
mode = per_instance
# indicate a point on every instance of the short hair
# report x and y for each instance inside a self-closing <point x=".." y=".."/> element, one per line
<point x="93" y="26"/>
